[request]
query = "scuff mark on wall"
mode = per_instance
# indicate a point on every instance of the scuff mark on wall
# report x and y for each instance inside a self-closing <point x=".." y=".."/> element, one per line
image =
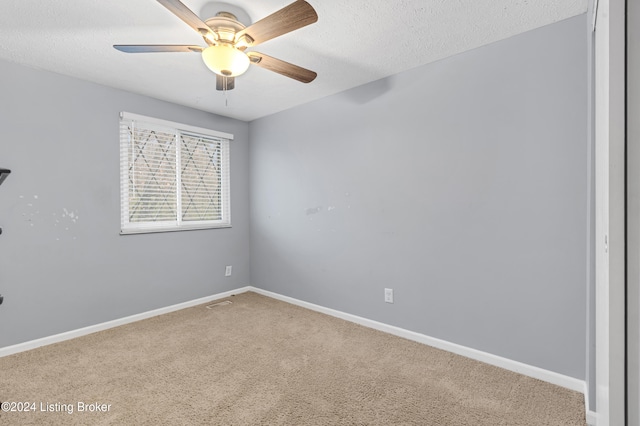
<point x="30" y="212"/>
<point x="66" y="218"/>
<point x="314" y="210"/>
<point x="71" y="215"/>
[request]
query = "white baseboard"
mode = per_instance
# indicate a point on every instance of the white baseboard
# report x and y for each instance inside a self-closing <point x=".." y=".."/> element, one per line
<point x="590" y="416"/>
<point x="21" y="347"/>
<point x="508" y="364"/>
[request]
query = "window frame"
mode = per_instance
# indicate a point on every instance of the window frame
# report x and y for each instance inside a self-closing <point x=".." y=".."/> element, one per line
<point x="126" y="226"/>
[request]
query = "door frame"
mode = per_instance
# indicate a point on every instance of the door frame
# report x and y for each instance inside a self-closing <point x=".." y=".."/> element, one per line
<point x="610" y="237"/>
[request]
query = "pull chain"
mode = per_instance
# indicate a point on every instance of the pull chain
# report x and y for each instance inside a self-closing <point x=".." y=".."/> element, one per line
<point x="226" y="99"/>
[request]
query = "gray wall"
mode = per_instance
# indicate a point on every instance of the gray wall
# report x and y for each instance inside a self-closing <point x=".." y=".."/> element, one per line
<point x="633" y="213"/>
<point x="462" y="185"/>
<point x="59" y="136"/>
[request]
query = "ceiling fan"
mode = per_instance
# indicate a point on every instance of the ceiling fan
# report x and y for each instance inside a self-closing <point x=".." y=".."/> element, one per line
<point x="228" y="39"/>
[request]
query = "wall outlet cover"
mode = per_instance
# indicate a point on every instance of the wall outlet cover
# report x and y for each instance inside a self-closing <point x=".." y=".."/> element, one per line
<point x="227" y="271"/>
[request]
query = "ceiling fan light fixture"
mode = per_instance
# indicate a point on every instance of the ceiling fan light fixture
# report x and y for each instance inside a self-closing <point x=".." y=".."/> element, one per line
<point x="225" y="60"/>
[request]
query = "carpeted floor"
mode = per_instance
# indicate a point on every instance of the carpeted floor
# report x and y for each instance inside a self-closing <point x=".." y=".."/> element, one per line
<point x="259" y="361"/>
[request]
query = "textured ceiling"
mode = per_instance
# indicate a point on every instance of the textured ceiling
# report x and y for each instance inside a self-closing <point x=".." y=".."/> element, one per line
<point x="353" y="42"/>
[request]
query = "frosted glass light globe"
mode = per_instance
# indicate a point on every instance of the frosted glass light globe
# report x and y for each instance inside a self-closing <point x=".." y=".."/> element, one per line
<point x="225" y="60"/>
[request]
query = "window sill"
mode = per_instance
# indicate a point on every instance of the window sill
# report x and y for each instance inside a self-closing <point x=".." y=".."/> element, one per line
<point x="135" y="231"/>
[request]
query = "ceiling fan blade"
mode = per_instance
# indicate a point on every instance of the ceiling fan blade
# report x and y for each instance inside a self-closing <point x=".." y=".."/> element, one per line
<point x="183" y="12"/>
<point x="152" y="48"/>
<point x="281" y="67"/>
<point x="290" y="18"/>
<point x="225" y="83"/>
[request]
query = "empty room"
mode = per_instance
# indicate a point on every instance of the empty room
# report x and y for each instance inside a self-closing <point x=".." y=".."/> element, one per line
<point x="317" y="213"/>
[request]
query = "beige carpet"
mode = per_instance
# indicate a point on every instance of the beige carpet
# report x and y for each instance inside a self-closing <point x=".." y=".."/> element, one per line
<point x="259" y="361"/>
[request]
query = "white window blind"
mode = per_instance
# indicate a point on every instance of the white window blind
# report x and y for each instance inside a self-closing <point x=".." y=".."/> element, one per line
<point x="172" y="176"/>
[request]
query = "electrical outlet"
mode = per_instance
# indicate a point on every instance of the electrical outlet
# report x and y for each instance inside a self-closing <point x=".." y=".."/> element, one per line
<point x="227" y="271"/>
<point x="388" y="295"/>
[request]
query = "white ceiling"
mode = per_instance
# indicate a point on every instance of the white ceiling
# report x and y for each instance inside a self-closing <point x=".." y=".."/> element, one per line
<point x="354" y="42"/>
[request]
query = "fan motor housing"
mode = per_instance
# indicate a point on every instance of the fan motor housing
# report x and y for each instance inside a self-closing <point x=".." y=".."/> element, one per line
<point x="226" y="25"/>
<point x="216" y="8"/>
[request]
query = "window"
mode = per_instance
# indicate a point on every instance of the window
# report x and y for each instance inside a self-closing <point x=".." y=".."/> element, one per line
<point x="172" y="176"/>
